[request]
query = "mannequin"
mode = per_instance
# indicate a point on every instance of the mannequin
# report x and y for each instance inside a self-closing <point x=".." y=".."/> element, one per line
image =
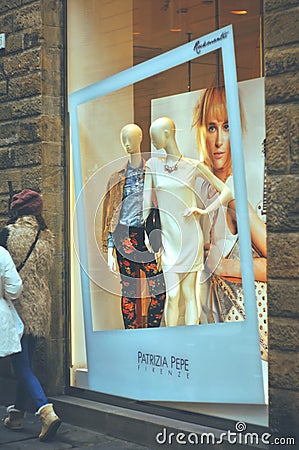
<point x="123" y="234"/>
<point x="173" y="179"/>
<point x="131" y="138"/>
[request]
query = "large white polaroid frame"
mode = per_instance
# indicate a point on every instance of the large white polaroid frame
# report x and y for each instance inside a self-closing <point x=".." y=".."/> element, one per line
<point x="224" y="363"/>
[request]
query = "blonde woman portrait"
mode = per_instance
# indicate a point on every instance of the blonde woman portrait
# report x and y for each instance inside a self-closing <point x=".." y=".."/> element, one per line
<point x="210" y="120"/>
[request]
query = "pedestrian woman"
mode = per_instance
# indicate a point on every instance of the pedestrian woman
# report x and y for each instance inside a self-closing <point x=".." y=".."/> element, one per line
<point x="31" y="245"/>
<point x="10" y="289"/>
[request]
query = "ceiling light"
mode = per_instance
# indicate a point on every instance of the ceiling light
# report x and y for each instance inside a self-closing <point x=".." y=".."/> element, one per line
<point x="175" y="30"/>
<point x="239" y="12"/>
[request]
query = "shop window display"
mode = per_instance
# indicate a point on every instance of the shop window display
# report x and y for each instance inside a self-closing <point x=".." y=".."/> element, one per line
<point x="93" y="318"/>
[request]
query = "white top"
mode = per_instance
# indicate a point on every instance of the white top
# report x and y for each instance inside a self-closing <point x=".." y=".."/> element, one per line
<point x="182" y="236"/>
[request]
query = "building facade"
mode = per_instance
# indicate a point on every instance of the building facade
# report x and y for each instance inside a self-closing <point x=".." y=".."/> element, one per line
<point x="43" y="61"/>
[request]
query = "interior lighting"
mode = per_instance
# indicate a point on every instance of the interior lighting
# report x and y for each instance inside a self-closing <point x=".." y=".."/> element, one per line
<point x="239" y="12"/>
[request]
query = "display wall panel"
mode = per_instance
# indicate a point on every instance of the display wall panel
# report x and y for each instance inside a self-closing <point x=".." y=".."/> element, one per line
<point x="124" y="361"/>
<point x="92" y="69"/>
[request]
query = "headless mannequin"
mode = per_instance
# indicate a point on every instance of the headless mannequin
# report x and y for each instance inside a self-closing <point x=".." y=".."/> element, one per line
<point x="131" y="138"/>
<point x="178" y="284"/>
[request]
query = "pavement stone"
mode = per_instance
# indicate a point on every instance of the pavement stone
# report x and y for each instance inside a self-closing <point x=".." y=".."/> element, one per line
<point x="68" y="437"/>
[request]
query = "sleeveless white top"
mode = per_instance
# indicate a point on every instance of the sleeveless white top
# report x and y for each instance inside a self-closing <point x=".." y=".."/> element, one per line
<point x="215" y="228"/>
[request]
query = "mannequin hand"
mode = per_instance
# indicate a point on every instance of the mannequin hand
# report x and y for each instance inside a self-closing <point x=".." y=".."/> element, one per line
<point x="189" y="211"/>
<point x="112" y="263"/>
<point x="147" y="243"/>
<point x="207" y="249"/>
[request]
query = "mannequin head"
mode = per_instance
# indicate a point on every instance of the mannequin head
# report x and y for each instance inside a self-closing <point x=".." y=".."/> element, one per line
<point x="162" y="132"/>
<point x="131" y="137"/>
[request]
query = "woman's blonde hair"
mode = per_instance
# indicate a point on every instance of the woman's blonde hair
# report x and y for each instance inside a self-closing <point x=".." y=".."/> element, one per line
<point x="211" y="104"/>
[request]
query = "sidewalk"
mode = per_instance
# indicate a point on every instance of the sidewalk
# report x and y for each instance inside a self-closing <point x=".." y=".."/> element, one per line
<point x="68" y="437"/>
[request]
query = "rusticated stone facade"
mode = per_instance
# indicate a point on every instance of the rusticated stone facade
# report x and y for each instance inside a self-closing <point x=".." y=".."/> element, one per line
<point x="282" y="128"/>
<point x="32" y="146"/>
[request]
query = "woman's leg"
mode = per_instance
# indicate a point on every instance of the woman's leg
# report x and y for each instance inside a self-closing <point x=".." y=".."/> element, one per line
<point x="188" y="287"/>
<point x="28" y="384"/>
<point x="22" y="394"/>
<point x="172" y="281"/>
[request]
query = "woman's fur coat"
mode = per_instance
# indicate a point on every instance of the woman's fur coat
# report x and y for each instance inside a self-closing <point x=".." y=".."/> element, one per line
<point x="34" y="304"/>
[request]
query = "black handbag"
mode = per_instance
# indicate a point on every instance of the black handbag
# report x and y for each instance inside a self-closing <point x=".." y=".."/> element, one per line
<point x="229" y="297"/>
<point x="153" y="229"/>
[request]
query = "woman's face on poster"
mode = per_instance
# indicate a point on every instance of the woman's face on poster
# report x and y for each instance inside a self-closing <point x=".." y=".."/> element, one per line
<point x="218" y="142"/>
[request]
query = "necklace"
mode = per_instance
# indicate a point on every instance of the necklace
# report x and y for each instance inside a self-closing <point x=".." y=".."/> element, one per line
<point x="170" y="169"/>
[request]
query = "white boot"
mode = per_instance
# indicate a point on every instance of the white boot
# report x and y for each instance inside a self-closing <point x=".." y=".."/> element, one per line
<point x="50" y="422"/>
<point x="15" y="418"/>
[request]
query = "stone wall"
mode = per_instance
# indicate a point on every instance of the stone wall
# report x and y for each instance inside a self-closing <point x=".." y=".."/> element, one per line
<point x="282" y="114"/>
<point x="32" y="143"/>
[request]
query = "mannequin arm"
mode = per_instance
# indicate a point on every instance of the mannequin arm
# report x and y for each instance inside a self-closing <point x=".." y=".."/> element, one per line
<point x="105" y="209"/>
<point x="147" y="242"/>
<point x="224" y="197"/>
<point x="147" y="194"/>
<point x="158" y="257"/>
<point x="225" y="193"/>
<point x="149" y="198"/>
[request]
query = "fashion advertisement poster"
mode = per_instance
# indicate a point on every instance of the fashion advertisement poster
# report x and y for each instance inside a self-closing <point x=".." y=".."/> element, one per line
<point x="183" y="109"/>
<point x="171" y="283"/>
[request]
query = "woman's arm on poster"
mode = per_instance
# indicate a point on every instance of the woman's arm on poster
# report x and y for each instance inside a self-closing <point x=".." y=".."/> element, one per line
<point x="232" y="268"/>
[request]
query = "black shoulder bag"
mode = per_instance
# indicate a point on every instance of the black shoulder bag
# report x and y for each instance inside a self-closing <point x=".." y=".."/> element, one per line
<point x="20" y="267"/>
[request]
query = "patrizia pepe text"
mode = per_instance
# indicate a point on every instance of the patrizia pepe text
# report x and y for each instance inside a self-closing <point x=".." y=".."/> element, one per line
<point x="169" y="365"/>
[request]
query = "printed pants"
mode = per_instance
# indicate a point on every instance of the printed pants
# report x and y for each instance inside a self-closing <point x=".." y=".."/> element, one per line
<point x="133" y="256"/>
